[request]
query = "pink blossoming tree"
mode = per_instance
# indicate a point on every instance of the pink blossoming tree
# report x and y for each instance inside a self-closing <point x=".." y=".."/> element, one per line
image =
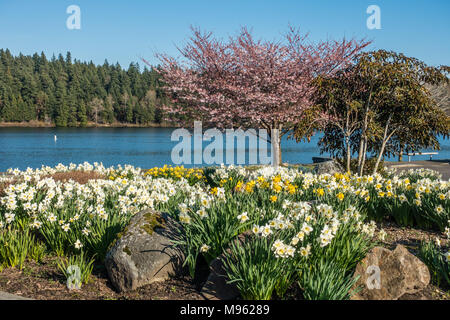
<point x="248" y="83"/>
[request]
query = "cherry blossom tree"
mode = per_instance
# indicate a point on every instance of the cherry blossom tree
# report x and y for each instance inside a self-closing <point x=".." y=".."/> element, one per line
<point x="248" y="83"/>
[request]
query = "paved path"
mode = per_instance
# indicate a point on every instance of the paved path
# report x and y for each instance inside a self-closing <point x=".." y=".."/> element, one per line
<point x="8" y="296"/>
<point x="442" y="166"/>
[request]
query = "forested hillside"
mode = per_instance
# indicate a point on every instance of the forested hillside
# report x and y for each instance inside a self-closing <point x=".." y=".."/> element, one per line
<point x="68" y="92"/>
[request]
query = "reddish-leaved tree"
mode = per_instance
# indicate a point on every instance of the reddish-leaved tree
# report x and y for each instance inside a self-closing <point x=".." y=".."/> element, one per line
<point x="248" y="83"/>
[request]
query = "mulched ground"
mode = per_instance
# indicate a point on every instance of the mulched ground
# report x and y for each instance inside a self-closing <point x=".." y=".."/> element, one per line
<point x="44" y="281"/>
<point x="409" y="237"/>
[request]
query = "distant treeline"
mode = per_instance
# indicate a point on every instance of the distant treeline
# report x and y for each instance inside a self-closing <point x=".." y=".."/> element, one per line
<point x="73" y="93"/>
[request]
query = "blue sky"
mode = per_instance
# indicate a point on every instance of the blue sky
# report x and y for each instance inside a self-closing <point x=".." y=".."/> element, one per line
<point x="123" y="31"/>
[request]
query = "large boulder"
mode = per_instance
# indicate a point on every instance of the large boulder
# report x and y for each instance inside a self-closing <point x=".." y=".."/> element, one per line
<point x="328" y="167"/>
<point x="143" y="252"/>
<point x="400" y="273"/>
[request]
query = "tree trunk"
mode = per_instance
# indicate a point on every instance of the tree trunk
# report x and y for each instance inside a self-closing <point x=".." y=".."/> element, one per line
<point x="363" y="157"/>
<point x="380" y="156"/>
<point x="383" y="145"/>
<point x="360" y="152"/>
<point x="362" y="149"/>
<point x="275" y="141"/>
<point x="349" y="156"/>
<point x="400" y="155"/>
<point x="363" y="139"/>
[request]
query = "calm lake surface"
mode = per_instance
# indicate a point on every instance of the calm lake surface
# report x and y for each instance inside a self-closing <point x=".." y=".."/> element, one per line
<point x="141" y="147"/>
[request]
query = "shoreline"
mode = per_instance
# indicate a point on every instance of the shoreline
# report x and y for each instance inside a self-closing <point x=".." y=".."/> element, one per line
<point x="438" y="165"/>
<point x="42" y="124"/>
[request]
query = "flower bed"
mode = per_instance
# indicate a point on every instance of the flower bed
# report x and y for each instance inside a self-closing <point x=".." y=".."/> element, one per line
<point x="302" y="229"/>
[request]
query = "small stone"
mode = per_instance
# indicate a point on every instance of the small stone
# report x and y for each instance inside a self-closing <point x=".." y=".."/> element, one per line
<point x="328" y="167"/>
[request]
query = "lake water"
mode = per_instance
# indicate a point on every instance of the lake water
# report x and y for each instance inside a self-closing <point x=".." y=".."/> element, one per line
<point x="142" y="147"/>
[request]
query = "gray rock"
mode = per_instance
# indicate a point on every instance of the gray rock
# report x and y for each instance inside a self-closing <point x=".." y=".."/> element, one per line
<point x="143" y="252"/>
<point x="401" y="274"/>
<point x="329" y="167"/>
